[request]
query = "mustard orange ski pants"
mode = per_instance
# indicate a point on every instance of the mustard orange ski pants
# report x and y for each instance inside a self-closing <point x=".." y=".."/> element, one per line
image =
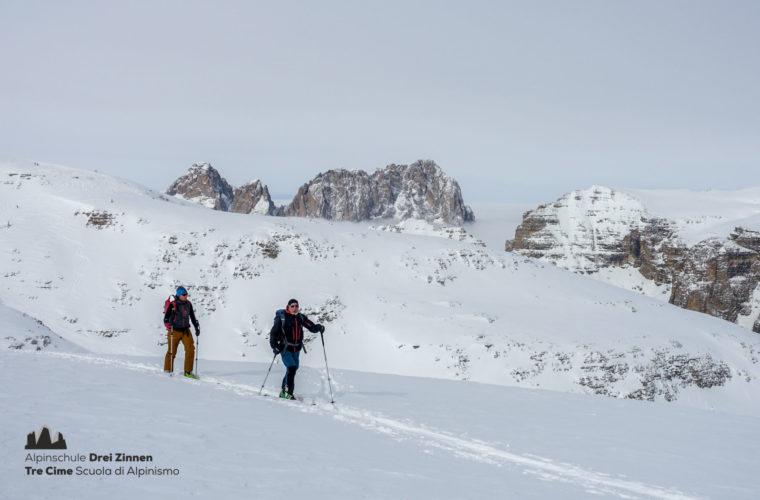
<point x="174" y="338"/>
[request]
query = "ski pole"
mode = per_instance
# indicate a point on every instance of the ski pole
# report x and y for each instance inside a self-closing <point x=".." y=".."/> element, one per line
<point x="197" y="348"/>
<point x="171" y="352"/>
<point x="332" y="400"/>
<point x="265" y="378"/>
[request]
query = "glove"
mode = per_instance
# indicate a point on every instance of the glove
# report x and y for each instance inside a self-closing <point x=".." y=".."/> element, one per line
<point x="276" y="350"/>
<point x="198" y="331"/>
<point x="321" y="328"/>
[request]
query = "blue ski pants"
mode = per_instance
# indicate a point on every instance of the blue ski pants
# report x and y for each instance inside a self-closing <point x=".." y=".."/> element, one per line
<point x="290" y="360"/>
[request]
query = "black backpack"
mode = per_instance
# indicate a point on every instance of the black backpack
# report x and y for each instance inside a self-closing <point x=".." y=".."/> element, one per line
<point x="280" y="313"/>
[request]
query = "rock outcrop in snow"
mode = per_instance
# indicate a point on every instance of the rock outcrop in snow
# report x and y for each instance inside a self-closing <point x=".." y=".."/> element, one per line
<point x="204" y="185"/>
<point x="417" y="191"/>
<point x="589" y="230"/>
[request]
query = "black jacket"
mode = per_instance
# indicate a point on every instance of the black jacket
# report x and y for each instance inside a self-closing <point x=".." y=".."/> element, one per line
<point x="179" y="314"/>
<point x="288" y="334"/>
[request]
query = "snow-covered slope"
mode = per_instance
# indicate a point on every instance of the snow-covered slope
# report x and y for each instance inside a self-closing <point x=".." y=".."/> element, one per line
<point x="386" y="437"/>
<point x="21" y="332"/>
<point x="95" y="257"/>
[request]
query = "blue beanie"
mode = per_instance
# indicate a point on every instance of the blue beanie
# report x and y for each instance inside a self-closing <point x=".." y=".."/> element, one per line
<point x="181" y="291"/>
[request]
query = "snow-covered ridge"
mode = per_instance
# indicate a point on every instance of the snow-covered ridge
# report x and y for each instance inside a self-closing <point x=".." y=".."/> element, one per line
<point x="598" y="229"/>
<point x="94" y="258"/>
<point x="19" y="332"/>
<point x="700" y="215"/>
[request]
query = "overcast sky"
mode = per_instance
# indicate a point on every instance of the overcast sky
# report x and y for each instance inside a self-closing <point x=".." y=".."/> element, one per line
<point x="519" y="101"/>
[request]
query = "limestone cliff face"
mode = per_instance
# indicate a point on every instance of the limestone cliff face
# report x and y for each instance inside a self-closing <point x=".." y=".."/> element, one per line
<point x="204" y="185"/>
<point x="655" y="250"/>
<point x="336" y="194"/>
<point x="591" y="230"/>
<point x="718" y="276"/>
<point x="417" y="191"/>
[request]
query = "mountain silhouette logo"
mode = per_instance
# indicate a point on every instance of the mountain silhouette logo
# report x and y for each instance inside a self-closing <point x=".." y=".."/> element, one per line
<point x="44" y="442"/>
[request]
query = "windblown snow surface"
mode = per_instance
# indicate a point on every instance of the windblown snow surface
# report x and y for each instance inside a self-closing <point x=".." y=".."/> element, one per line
<point x="457" y="371"/>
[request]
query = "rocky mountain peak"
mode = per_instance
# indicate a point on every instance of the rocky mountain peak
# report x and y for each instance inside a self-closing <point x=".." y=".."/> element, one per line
<point x="581" y="230"/>
<point x="598" y="228"/>
<point x="417" y="191"/>
<point x="202" y="184"/>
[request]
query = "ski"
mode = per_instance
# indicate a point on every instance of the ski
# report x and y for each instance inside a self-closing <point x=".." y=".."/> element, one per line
<point x="190" y="376"/>
<point x="299" y="400"/>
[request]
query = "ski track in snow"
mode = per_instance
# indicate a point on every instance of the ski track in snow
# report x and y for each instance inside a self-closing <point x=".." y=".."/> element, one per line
<point x="543" y="468"/>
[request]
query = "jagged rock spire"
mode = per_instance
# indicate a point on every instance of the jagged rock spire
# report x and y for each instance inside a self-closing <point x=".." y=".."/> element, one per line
<point x="417" y="191"/>
<point x="202" y="184"/>
<point x="253" y="198"/>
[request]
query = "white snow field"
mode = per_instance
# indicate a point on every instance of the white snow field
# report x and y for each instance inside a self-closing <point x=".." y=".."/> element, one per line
<point x="459" y="371"/>
<point x="385" y="437"/>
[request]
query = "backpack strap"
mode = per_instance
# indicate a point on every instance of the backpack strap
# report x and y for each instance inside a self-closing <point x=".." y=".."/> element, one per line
<point x="281" y="315"/>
